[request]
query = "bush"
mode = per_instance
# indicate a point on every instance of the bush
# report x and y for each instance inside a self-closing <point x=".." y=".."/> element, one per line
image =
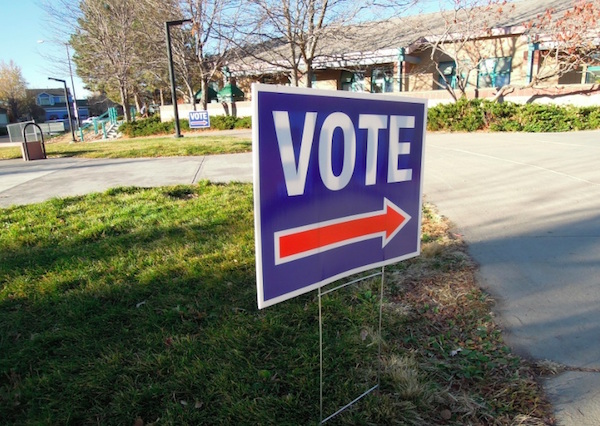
<point x="472" y="115"/>
<point x="146" y="127"/>
<point x="546" y="118"/>
<point x="589" y="118"/>
<point x="243" y="123"/>
<point x="499" y="116"/>
<point x="151" y="126"/>
<point x="463" y="115"/>
<point x="222" y="122"/>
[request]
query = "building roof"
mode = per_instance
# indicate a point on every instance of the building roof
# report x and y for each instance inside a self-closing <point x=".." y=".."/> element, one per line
<point x="380" y="41"/>
<point x="56" y="92"/>
<point x="53" y="92"/>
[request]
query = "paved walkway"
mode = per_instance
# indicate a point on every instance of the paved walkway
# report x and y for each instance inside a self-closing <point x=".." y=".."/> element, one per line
<point x="528" y="205"/>
<point x="34" y="181"/>
<point x="529" y="208"/>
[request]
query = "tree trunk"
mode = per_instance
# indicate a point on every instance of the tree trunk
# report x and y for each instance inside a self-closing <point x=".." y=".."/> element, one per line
<point x="192" y="98"/>
<point x="125" y="102"/>
<point x="309" y="73"/>
<point x="138" y="101"/>
<point x="204" y="100"/>
<point x="294" y="77"/>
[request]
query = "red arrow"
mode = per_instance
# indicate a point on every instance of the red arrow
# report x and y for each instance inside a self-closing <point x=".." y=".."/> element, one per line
<point x="296" y="243"/>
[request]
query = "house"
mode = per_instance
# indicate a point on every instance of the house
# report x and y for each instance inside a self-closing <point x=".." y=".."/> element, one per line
<point x="437" y="55"/>
<point x="54" y="105"/>
<point x="3" y="118"/>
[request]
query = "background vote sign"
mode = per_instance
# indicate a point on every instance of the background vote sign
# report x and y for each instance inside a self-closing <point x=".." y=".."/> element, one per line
<point x="199" y="119"/>
<point x="337" y="185"/>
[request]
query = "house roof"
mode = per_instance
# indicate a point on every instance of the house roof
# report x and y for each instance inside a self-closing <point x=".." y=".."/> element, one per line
<point x="56" y="92"/>
<point x="53" y="92"/>
<point x="380" y="41"/>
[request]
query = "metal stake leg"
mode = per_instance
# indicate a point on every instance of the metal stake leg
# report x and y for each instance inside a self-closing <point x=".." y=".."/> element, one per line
<point x="321" y="294"/>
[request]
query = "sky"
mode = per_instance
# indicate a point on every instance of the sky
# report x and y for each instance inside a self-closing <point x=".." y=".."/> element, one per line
<point x="24" y="24"/>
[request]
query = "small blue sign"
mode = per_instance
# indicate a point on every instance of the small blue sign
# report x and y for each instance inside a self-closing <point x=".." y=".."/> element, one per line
<point x="199" y="120"/>
<point x="337" y="185"/>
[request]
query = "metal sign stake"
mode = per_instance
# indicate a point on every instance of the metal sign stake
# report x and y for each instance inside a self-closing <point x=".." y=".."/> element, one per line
<point x="367" y="392"/>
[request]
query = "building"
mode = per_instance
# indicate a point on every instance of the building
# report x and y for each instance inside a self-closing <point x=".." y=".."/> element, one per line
<point x="53" y="103"/>
<point x="442" y="56"/>
<point x="3" y="118"/>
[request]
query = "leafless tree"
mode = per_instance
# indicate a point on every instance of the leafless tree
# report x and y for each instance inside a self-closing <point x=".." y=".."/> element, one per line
<point x="286" y="35"/>
<point x="566" y="41"/>
<point x="460" y="39"/>
<point x="215" y="25"/>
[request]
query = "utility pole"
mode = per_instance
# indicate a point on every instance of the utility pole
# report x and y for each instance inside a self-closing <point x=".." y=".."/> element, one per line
<point x="168" y="25"/>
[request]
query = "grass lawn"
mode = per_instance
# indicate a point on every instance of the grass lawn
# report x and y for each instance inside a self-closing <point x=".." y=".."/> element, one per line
<point x="138" y="306"/>
<point x="165" y="146"/>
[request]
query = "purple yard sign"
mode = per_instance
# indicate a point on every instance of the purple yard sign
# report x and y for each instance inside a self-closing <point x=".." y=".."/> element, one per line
<point x="337" y="185"/>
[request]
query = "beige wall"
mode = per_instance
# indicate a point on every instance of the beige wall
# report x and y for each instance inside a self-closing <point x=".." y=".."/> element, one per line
<point x="423" y="76"/>
<point x="242" y="109"/>
<point x="326" y="79"/>
<point x="577" y="95"/>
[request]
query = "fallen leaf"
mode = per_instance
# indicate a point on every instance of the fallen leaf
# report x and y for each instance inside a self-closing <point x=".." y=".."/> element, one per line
<point x="455" y="352"/>
<point x="363" y="334"/>
<point x="446" y="414"/>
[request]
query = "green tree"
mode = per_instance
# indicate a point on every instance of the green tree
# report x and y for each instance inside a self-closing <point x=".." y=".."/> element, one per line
<point x="13" y="89"/>
<point x="105" y="47"/>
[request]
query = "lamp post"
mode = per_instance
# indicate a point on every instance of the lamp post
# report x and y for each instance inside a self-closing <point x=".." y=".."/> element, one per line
<point x="75" y="108"/>
<point x="168" y="25"/>
<point x="67" y="105"/>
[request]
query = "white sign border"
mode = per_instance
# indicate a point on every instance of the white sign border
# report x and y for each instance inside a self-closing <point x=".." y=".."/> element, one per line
<point x="260" y="87"/>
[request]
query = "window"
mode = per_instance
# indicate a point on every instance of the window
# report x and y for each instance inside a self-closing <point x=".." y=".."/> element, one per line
<point x="494" y="72"/>
<point x="592" y="75"/>
<point x="447" y="75"/>
<point x="353" y="81"/>
<point x="44" y="100"/>
<point x="382" y="80"/>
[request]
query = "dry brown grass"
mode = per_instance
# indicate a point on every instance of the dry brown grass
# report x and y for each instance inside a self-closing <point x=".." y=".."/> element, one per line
<point x="453" y="367"/>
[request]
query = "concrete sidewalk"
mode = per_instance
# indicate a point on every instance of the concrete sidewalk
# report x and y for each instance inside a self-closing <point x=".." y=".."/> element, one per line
<point x="34" y="181"/>
<point x="529" y="208"/>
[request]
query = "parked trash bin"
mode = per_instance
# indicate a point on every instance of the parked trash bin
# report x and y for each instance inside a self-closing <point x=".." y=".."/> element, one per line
<point x="33" y="150"/>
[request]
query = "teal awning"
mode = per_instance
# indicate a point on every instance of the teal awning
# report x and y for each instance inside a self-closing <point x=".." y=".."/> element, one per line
<point x="212" y="94"/>
<point x="231" y="93"/>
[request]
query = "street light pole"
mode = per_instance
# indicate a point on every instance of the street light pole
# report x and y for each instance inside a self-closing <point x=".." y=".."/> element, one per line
<point x="169" y="24"/>
<point x="67" y="105"/>
<point x="75" y="108"/>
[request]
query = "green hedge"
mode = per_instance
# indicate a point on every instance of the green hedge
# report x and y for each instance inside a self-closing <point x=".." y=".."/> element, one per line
<point x="153" y="126"/>
<point x="462" y="116"/>
<point x="477" y="114"/>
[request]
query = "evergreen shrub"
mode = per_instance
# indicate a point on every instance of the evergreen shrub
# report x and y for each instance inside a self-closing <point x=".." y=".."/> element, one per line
<point x="473" y="115"/>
